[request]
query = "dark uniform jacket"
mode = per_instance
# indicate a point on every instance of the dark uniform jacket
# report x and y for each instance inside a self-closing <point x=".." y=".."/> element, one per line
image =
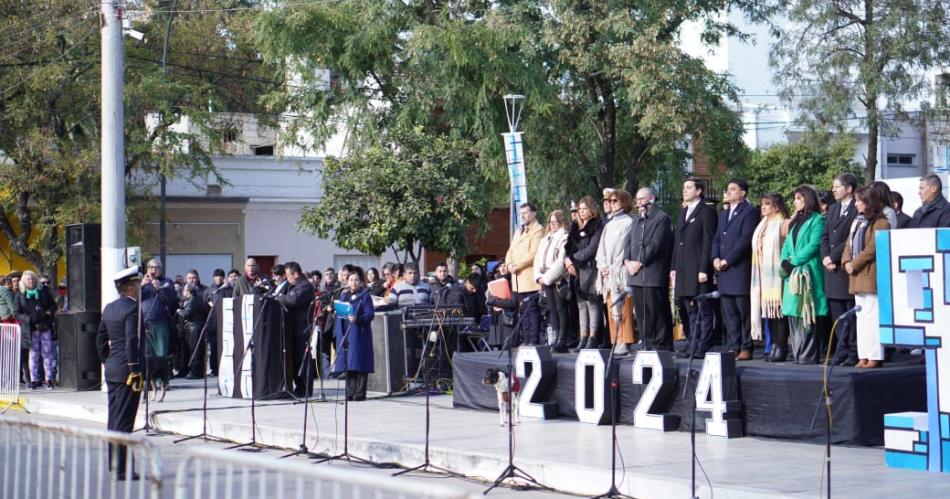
<point x="833" y="240"/>
<point x="117" y="340"/>
<point x="935" y="214"/>
<point x="733" y="243"/>
<point x="691" y="249"/>
<point x="651" y="243"/>
<point x="297" y="302"/>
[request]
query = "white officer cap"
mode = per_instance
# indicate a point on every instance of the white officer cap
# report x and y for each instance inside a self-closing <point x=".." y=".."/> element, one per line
<point x="123" y="276"/>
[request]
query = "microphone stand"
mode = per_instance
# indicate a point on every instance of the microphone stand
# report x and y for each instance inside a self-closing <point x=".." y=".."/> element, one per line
<point x="308" y="390"/>
<point x="692" y="411"/>
<point x="202" y="344"/>
<point x="513" y="471"/>
<point x="825" y="396"/>
<point x="253" y="445"/>
<point x="149" y="430"/>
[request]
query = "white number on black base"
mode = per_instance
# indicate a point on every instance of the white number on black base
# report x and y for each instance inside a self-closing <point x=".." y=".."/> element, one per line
<point x="716" y="392"/>
<point x="535" y="367"/>
<point x="591" y="392"/>
<point x="657" y="395"/>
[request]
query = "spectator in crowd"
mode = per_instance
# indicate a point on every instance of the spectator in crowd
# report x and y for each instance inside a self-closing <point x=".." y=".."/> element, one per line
<point x="825" y="200"/>
<point x="221" y="288"/>
<point x="468" y="298"/>
<point x="833" y="239"/>
<point x="182" y="345"/>
<point x="520" y="262"/>
<point x="410" y="291"/>
<point x="649" y="248"/>
<point x="330" y="283"/>
<point x="233" y="277"/>
<point x="934" y="210"/>
<point x="193" y="314"/>
<point x="612" y="276"/>
<point x="35" y="309"/>
<point x="897" y="202"/>
<point x="278" y="280"/>
<point x="859" y="261"/>
<point x="884" y="192"/>
<point x="375" y="285"/>
<point x="441" y="282"/>
<point x="550" y="273"/>
<point x="159" y="302"/>
<point x="247" y="282"/>
<point x="7" y="305"/>
<point x="766" y="285"/>
<point x="297" y="300"/>
<point x="14" y="281"/>
<point x="218" y="283"/>
<point x="355" y="357"/>
<point x="803" y="300"/>
<point x="692" y="272"/>
<point x="732" y="260"/>
<point x="581" y="264"/>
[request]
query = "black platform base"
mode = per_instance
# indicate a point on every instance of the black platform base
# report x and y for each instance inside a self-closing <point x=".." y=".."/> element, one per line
<point x="778" y="399"/>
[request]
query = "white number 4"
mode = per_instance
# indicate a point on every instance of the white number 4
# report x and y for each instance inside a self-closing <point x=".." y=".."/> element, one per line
<point x="716" y="392"/>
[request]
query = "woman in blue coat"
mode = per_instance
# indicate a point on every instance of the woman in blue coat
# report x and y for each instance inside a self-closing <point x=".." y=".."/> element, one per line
<point x="356" y="357"/>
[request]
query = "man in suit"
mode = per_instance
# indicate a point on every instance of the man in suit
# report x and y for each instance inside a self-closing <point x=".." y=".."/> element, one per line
<point x="296" y="301"/>
<point x="732" y="259"/>
<point x="692" y="273"/>
<point x="520" y="262"/>
<point x="648" y="262"/>
<point x="897" y="202"/>
<point x="117" y="341"/>
<point x="837" y="228"/>
<point x="934" y="210"/>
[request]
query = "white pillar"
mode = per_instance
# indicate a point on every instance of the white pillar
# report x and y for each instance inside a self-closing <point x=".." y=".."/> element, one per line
<point x="113" y="148"/>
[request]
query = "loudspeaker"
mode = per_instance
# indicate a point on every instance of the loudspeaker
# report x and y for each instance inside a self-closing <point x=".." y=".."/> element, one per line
<point x="79" y="365"/>
<point x="389" y="348"/>
<point x="83" y="268"/>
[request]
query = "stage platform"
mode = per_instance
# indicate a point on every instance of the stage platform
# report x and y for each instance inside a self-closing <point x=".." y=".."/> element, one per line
<point x="778" y="399"/>
<point x="563" y="453"/>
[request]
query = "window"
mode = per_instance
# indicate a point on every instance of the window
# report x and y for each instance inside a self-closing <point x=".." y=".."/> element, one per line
<point x="267" y="150"/>
<point x="901" y="159"/>
<point x="942" y="90"/>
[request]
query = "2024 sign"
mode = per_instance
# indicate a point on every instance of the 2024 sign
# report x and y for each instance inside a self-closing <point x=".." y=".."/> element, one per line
<point x="716" y="389"/>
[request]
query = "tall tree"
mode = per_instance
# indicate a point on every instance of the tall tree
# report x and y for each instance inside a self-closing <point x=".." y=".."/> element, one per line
<point x="860" y="61"/>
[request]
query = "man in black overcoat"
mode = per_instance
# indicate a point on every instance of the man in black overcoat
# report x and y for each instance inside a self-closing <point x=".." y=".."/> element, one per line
<point x="648" y="262"/>
<point x="692" y="273"/>
<point x="837" y="228"/>
<point x="297" y="301"/>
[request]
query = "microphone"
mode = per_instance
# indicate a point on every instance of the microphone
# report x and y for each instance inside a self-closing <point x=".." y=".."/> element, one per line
<point x="708" y="296"/>
<point x="853" y="310"/>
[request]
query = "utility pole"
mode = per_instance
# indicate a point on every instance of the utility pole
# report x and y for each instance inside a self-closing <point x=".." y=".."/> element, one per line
<point x="162" y="210"/>
<point x="113" y="147"/>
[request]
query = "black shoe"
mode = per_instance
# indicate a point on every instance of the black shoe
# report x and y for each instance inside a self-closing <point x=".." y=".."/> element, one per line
<point x="768" y="357"/>
<point x="779" y="354"/>
<point x="192" y="376"/>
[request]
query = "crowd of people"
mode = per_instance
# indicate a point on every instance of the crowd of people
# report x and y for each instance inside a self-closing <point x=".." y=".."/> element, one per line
<point x="773" y="274"/>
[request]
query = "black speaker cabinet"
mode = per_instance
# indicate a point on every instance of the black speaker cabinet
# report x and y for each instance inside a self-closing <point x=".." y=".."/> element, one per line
<point x="79" y="365"/>
<point x="389" y="354"/>
<point x="83" y="242"/>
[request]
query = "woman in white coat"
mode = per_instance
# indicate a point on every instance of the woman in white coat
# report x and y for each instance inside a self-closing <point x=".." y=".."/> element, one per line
<point x="549" y="272"/>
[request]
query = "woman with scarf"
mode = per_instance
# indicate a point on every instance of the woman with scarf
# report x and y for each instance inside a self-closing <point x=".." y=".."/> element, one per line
<point x="859" y="260"/>
<point x="35" y="308"/>
<point x="766" y="289"/>
<point x="549" y="272"/>
<point x="355" y="357"/>
<point x="803" y="299"/>
<point x="612" y="276"/>
<point x="585" y="237"/>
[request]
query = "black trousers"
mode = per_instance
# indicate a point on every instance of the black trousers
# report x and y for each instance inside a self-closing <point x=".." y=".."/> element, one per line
<point x="123" y="405"/>
<point x="304" y="368"/>
<point x="778" y="329"/>
<point x="558" y="317"/>
<point x="356" y="385"/>
<point x="736" y="322"/>
<point x="654" y="318"/>
<point x="530" y="317"/>
<point x="846" y="332"/>
<point x="196" y="368"/>
<point x="697" y="317"/>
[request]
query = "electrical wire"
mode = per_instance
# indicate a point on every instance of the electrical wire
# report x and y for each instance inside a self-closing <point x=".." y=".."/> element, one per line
<point x="827" y="397"/>
<point x="34" y="73"/>
<point x="286" y="6"/>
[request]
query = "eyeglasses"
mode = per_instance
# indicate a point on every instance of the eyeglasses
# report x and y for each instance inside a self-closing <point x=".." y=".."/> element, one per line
<point x="153" y="267"/>
<point x="614" y="200"/>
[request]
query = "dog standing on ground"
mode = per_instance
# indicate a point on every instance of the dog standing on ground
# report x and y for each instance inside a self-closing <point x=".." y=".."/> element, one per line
<point x="498" y="379"/>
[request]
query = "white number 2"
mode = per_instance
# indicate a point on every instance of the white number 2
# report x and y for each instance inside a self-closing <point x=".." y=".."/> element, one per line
<point x="656" y="395"/>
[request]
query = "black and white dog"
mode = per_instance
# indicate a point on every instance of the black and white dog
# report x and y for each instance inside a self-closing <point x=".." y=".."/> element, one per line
<point x="498" y="379"/>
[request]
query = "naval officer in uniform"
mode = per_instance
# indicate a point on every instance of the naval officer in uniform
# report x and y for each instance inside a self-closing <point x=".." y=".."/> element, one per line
<point x="118" y="343"/>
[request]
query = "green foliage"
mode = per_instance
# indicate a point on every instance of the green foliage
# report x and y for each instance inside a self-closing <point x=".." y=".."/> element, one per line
<point x="782" y="168"/>
<point x="414" y="191"/>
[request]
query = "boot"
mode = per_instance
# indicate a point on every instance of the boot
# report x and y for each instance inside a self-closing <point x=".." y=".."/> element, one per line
<point x="621" y="350"/>
<point x="582" y="344"/>
<point x="779" y="354"/>
<point x="560" y="341"/>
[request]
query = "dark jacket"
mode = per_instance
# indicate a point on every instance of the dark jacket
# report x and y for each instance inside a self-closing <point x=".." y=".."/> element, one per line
<point x="935" y="214"/>
<point x="733" y="243"/>
<point x="193" y="314"/>
<point x="34" y="314"/>
<point x="243" y="286"/>
<point x="502" y="320"/>
<point x="691" y="248"/>
<point x="903" y="220"/>
<point x="833" y="240"/>
<point x="159" y="305"/>
<point x="472" y="305"/>
<point x="117" y="339"/>
<point x="651" y="243"/>
<point x="359" y="353"/>
<point x="7" y="303"/>
<point x="582" y="250"/>
<point x="296" y="301"/>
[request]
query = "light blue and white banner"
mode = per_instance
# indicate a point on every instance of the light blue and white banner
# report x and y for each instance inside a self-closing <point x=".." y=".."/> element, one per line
<point x="514" y="153"/>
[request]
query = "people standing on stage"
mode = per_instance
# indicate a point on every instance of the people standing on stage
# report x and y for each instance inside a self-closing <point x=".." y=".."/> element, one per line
<point x="859" y="260"/>
<point x="297" y="301"/>
<point x="246" y="283"/>
<point x="581" y="264"/>
<point x="410" y="291"/>
<point x="803" y="300"/>
<point x="194" y="315"/>
<point x="897" y="202"/>
<point x="117" y="341"/>
<point x="833" y="239"/>
<point x="766" y="285"/>
<point x="520" y="262"/>
<point x="692" y="270"/>
<point x="35" y="308"/>
<point x="934" y="210"/>
<point x="612" y="276"/>
<point x="647" y="261"/>
<point x="354" y="336"/>
<point x="159" y="301"/>
<point x="550" y="274"/>
<point x="732" y="260"/>
<point x="375" y="285"/>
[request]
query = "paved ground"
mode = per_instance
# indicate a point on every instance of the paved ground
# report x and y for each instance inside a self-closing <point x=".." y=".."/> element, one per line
<point x="564" y="454"/>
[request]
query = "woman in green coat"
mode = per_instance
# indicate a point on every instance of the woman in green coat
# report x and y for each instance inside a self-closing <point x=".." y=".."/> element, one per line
<point x="803" y="296"/>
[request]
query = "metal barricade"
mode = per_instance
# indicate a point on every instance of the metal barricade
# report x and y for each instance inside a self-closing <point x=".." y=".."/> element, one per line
<point x="216" y="473"/>
<point x="48" y="460"/>
<point x="9" y="366"/>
